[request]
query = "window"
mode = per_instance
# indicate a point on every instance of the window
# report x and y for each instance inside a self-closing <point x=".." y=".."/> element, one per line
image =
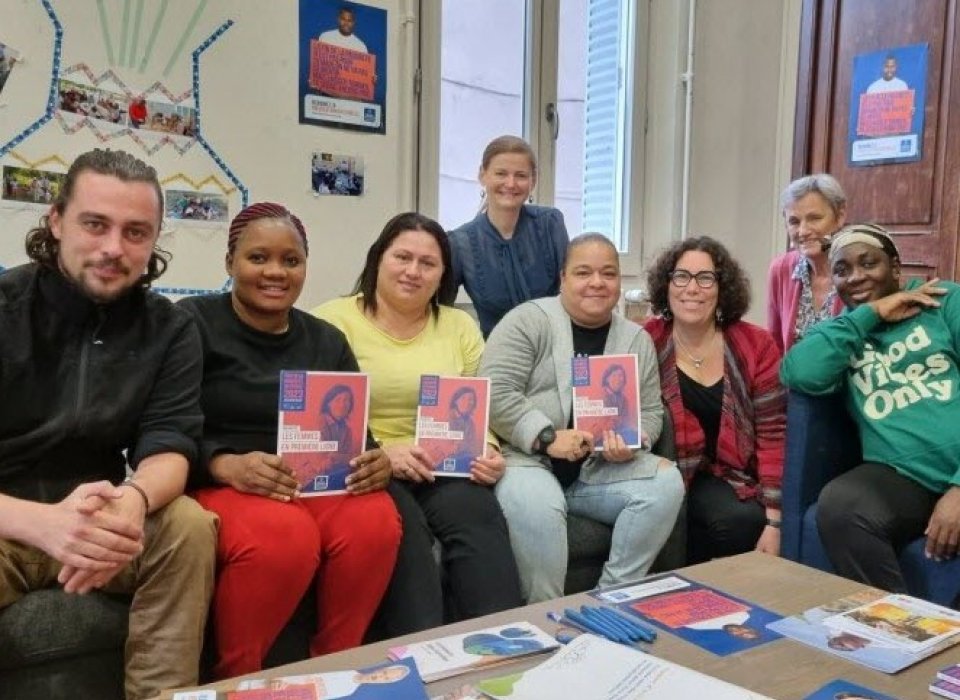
<point x="498" y="60"/>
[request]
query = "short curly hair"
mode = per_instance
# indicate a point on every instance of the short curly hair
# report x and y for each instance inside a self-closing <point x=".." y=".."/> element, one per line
<point x="734" y="286"/>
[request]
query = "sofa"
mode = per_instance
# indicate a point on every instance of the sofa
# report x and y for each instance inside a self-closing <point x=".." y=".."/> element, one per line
<point x="822" y="442"/>
<point x="66" y="647"/>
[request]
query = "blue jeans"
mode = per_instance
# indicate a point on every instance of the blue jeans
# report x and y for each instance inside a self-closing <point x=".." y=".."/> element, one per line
<point x="642" y="513"/>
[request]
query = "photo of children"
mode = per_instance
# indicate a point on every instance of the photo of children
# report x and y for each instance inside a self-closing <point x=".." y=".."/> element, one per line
<point x="138" y="113"/>
<point x="29" y="185"/>
<point x="336" y="174"/>
<point x="187" y="205"/>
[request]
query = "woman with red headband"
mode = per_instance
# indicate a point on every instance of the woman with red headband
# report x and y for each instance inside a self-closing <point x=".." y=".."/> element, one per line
<point x="272" y="543"/>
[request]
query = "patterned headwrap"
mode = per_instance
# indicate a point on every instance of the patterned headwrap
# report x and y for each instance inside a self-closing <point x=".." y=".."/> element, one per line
<point x="263" y="210"/>
<point x="869" y="234"/>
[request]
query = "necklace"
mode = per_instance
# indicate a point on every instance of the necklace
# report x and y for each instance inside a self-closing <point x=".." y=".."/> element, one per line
<point x="697" y="361"/>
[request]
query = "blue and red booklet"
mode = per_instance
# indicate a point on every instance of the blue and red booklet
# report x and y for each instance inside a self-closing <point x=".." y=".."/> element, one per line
<point x="322" y="426"/>
<point x="606" y="396"/>
<point x="711" y="619"/>
<point x="453" y="414"/>
<point x="845" y="689"/>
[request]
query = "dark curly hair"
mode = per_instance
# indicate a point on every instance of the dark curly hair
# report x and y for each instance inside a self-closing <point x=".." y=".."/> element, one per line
<point x="734" y="287"/>
<point x="42" y="246"/>
<point x="408" y="221"/>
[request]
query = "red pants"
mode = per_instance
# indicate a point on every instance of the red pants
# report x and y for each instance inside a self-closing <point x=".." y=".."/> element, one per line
<point x="269" y="552"/>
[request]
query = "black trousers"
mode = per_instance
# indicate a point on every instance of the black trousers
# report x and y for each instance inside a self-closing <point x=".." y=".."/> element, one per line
<point x="718" y="523"/>
<point x="866" y="516"/>
<point x="477" y="573"/>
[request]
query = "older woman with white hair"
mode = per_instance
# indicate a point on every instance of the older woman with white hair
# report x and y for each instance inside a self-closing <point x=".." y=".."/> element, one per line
<point x="799" y="290"/>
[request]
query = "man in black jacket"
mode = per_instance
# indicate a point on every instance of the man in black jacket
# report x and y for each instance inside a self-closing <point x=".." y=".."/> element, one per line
<point x="96" y="373"/>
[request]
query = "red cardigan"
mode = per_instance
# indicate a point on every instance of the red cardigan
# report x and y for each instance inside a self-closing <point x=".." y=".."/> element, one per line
<point x="753" y="414"/>
<point x="783" y="300"/>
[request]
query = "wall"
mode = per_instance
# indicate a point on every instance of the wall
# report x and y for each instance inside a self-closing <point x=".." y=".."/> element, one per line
<point x="248" y="96"/>
<point x="744" y="85"/>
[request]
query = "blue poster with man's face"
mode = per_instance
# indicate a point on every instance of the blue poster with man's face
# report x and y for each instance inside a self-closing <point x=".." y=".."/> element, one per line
<point x="888" y="94"/>
<point x="343" y="65"/>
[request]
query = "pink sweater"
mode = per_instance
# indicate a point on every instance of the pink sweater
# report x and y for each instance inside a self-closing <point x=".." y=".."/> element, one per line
<point x="783" y="300"/>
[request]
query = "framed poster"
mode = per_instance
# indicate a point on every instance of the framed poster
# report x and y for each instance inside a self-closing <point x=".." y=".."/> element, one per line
<point x="888" y="94"/>
<point x="343" y="65"/>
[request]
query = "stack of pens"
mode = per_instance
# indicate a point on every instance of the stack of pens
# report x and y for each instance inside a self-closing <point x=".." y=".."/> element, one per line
<point x="606" y="623"/>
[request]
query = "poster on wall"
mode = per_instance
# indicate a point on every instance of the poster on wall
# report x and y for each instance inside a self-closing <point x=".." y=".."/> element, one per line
<point x="888" y="94"/>
<point x="343" y="66"/>
<point x="336" y="174"/>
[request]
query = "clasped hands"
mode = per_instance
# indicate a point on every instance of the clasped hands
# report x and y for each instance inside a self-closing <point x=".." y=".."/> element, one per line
<point x="267" y="475"/>
<point x="94" y="533"/>
<point x="574" y="445"/>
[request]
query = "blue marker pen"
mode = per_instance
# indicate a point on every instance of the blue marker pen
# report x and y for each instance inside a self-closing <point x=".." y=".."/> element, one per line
<point x="594" y="626"/>
<point x="632" y="633"/>
<point x="643" y="627"/>
<point x="636" y="630"/>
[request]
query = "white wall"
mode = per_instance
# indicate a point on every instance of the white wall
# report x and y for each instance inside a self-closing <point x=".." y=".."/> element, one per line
<point x="744" y="85"/>
<point x="249" y="114"/>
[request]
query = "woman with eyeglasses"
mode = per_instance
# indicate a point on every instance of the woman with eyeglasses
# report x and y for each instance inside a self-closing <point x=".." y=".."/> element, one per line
<point x="719" y="377"/>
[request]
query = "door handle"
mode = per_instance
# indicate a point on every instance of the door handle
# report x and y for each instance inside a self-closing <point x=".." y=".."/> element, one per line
<point x="552" y="115"/>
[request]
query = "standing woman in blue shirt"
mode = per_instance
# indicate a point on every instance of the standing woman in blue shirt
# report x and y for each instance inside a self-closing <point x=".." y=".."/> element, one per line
<point x="512" y="251"/>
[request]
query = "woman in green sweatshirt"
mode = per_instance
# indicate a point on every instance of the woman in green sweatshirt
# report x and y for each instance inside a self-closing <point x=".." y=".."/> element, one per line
<point x="895" y="355"/>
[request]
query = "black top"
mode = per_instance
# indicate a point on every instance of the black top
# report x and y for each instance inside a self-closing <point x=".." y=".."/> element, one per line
<point x="241" y="374"/>
<point x="87" y="387"/>
<point x="704" y="402"/>
<point x="589" y="341"/>
<point x="586" y="341"/>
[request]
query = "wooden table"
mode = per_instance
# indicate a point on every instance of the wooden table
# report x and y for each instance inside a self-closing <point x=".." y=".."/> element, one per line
<point x="783" y="669"/>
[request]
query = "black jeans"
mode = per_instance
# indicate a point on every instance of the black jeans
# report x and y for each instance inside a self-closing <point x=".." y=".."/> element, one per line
<point x="477" y="569"/>
<point x="718" y="523"/>
<point x="866" y="516"/>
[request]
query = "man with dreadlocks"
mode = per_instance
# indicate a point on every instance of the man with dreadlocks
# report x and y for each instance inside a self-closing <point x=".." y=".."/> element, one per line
<point x="97" y="373"/>
<point x="894" y="354"/>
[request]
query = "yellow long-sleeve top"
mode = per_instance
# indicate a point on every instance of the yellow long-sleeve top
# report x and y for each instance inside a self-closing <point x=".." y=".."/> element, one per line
<point x="450" y="345"/>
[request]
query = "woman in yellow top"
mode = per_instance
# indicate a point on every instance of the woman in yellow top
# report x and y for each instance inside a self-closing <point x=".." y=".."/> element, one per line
<point x="400" y="324"/>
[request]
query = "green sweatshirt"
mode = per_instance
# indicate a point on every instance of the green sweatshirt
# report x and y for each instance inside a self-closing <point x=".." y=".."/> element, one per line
<point x="901" y="381"/>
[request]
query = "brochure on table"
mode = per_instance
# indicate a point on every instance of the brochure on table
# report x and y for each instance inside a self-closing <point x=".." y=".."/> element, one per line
<point x="815" y="627"/>
<point x="845" y="689"/>
<point x="711" y="619"/>
<point x="593" y="668"/>
<point x="462" y="653"/>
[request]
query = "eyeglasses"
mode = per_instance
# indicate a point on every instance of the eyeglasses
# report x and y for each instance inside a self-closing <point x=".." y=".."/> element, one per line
<point x="705" y="279"/>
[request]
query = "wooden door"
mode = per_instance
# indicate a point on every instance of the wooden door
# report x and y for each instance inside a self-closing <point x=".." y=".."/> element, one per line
<point x="919" y="202"/>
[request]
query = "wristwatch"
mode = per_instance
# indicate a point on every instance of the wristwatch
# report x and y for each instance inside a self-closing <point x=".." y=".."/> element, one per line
<point x="546" y="438"/>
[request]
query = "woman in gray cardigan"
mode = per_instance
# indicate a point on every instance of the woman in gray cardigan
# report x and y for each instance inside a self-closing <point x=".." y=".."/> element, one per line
<point x="552" y="468"/>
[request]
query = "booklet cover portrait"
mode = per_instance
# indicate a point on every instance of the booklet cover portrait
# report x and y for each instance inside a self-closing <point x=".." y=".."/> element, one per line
<point x="322" y="426"/>
<point x="606" y="397"/>
<point x="453" y="414"/>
